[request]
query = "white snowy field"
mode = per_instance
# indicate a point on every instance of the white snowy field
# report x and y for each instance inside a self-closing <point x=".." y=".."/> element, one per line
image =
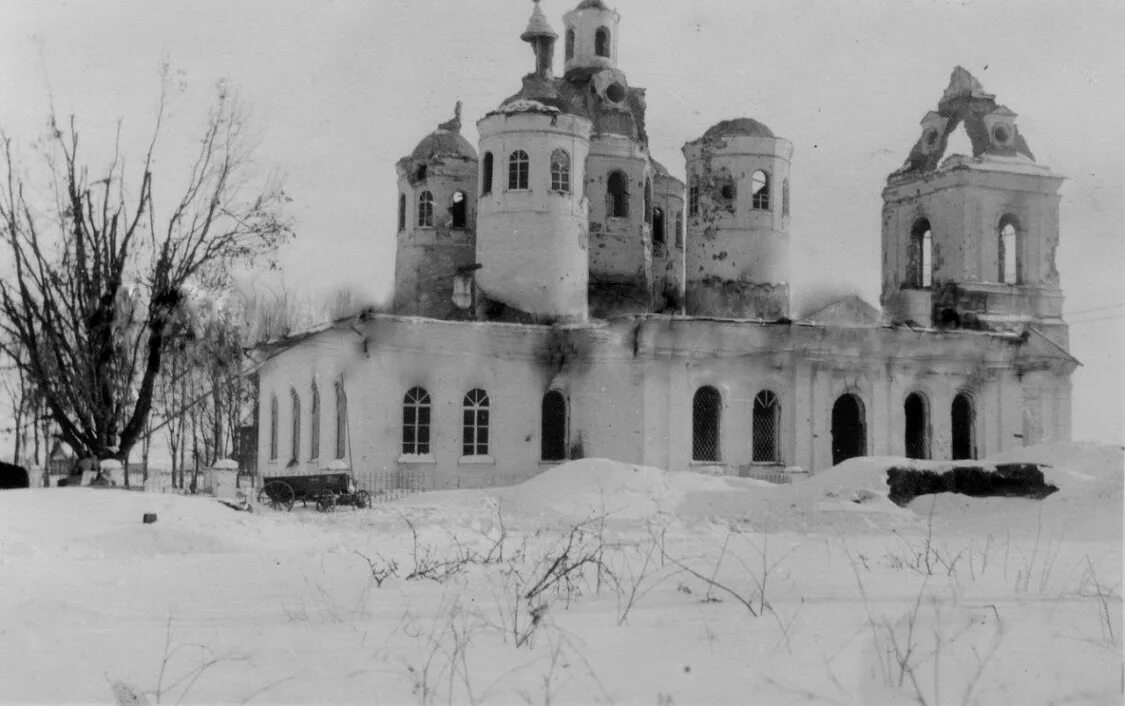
<point x="596" y="582"/>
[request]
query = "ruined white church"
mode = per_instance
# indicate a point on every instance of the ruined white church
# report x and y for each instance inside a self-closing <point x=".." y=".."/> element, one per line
<point x="559" y="294"/>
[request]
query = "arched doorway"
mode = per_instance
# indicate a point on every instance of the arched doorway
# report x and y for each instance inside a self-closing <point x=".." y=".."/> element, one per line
<point x="917" y="426"/>
<point x="849" y="432"/>
<point x="963" y="418"/>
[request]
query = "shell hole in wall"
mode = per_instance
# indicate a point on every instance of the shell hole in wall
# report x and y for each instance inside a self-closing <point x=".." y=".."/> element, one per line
<point x="615" y="92"/>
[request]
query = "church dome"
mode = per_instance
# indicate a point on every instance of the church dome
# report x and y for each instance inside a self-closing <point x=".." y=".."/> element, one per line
<point x="739" y="127"/>
<point x="591" y="4"/>
<point x="446" y="141"/>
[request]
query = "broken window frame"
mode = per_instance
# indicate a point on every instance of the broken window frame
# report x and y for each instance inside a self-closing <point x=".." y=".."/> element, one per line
<point x="560" y="171"/>
<point x="766" y="427"/>
<point x="706" y="416"/>
<point x="602" y="38"/>
<point x="617" y="195"/>
<point x="760" y="190"/>
<point x="659" y="230"/>
<point x="426" y="209"/>
<point x="416" y="419"/>
<point x="474" y="423"/>
<point x="519" y="170"/>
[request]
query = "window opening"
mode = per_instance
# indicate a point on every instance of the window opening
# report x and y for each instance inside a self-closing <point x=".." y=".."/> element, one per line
<point x="760" y="191"/>
<point x="425" y="209"/>
<point x="273" y="428"/>
<point x="518" y="168"/>
<point x="693" y="197"/>
<point x="401" y="212"/>
<point x="420" y="172"/>
<point x="341" y="421"/>
<point x="601" y="42"/>
<point x="680" y="229"/>
<point x="458" y="211"/>
<point x="569" y="44"/>
<point x="658" y="235"/>
<point x="474" y="425"/>
<point x="766" y="422"/>
<point x="648" y="201"/>
<point x="486" y="175"/>
<point x="849" y="431"/>
<point x="1009" y="251"/>
<point x="785" y="197"/>
<point x="553" y="427"/>
<point x="560" y="171"/>
<point x="963" y="418"/>
<point x="314" y="425"/>
<point x="617" y="195"/>
<point x="917" y="427"/>
<point x="919" y="264"/>
<point x="295" y="401"/>
<point x="705" y="425"/>
<point x="416" y="422"/>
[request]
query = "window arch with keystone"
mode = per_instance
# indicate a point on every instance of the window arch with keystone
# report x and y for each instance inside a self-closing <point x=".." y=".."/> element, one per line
<point x="705" y="411"/>
<point x="1008" y="260"/>
<point x="560" y="171"/>
<point x="474" y="424"/>
<point x="617" y="195"/>
<point x="416" y="422"/>
<point x="920" y="255"/>
<point x="760" y="190"/>
<point x="601" y="41"/>
<point x="519" y="167"/>
<point x="426" y="210"/>
<point x="767" y="427"/>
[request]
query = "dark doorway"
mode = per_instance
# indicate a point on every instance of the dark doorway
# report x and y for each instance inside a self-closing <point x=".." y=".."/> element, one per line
<point x="553" y="429"/>
<point x="849" y="432"/>
<point x="963" y="417"/>
<point x="12" y="476"/>
<point x="705" y="425"/>
<point x="917" y="426"/>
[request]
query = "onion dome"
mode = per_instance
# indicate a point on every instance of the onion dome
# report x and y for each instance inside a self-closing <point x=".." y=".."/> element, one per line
<point x="739" y="127"/>
<point x="537" y="26"/>
<point x="446" y="141"/>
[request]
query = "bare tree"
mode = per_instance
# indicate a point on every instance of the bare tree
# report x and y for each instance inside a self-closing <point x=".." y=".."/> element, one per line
<point x="98" y="304"/>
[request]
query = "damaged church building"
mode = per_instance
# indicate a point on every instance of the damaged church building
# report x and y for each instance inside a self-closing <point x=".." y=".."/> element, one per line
<point x="559" y="294"/>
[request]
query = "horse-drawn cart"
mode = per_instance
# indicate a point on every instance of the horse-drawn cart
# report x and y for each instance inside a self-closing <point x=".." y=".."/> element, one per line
<point x="326" y="490"/>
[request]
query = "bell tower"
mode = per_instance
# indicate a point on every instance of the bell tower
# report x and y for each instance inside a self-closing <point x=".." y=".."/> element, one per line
<point x="969" y="241"/>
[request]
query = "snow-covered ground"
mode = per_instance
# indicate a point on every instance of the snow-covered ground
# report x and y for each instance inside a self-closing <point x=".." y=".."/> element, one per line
<point x="596" y="582"/>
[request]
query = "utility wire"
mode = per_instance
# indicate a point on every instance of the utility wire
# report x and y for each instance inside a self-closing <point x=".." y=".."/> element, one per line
<point x="1091" y="310"/>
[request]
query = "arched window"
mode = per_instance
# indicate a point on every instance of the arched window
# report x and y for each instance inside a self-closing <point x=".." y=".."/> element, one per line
<point x="569" y="44"/>
<point x="849" y="429"/>
<point x="560" y="171"/>
<point x="963" y="427"/>
<point x="659" y="237"/>
<point x="486" y="174"/>
<point x="416" y="422"/>
<point x="401" y="212"/>
<point x="760" y="191"/>
<point x="314" y="425"/>
<point x="705" y="424"/>
<point x="767" y="423"/>
<point x="295" y="439"/>
<point x="426" y="210"/>
<point x="617" y="195"/>
<point x="601" y="42"/>
<point x="648" y="200"/>
<point x="785" y="197"/>
<point x="553" y="421"/>
<point x="273" y="427"/>
<point x="341" y="421"/>
<point x="919" y="263"/>
<point x="474" y="426"/>
<point x="1009" y="259"/>
<point x="518" y="167"/>
<point x="917" y="441"/>
<point x="459" y="210"/>
<point x="693" y="197"/>
<point x="680" y="229"/>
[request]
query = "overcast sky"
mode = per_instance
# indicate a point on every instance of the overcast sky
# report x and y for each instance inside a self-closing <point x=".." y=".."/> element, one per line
<point x="340" y="90"/>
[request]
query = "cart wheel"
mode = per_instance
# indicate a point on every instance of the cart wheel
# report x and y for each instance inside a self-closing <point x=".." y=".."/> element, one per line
<point x="277" y="494"/>
<point x="326" y="502"/>
<point x="362" y="498"/>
